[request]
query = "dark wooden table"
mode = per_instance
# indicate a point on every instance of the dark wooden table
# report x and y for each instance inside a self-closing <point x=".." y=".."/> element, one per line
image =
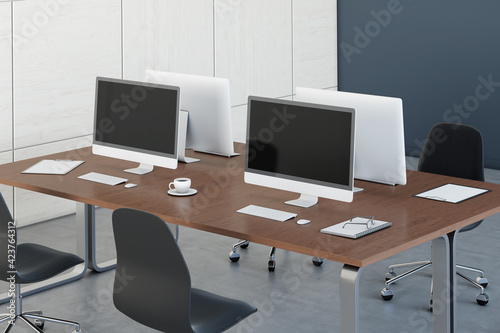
<point x="222" y="191"/>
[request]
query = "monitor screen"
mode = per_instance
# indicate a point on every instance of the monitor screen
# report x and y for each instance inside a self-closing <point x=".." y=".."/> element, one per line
<point x="136" y="121"/>
<point x="300" y="147"/>
<point x="380" y="151"/>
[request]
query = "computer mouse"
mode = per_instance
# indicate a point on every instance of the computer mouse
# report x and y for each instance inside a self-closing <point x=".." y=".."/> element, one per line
<point x="130" y="185"/>
<point x="303" y="221"/>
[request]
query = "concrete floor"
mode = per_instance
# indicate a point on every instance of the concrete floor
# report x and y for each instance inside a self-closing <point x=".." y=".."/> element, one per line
<point x="297" y="297"/>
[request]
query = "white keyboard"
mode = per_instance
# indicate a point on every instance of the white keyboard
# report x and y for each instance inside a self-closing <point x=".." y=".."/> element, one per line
<point x="268" y="213"/>
<point x="102" y="178"/>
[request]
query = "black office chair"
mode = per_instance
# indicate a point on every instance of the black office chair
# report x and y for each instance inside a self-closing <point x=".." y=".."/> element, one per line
<point x="159" y="293"/>
<point x="28" y="263"/>
<point x="452" y="150"/>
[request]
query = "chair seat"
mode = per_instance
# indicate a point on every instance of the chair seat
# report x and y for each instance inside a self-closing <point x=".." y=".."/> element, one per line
<point x="37" y="262"/>
<point x="213" y="313"/>
<point x="471" y="226"/>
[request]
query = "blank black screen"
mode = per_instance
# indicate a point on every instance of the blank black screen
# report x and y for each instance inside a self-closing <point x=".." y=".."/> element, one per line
<point x="300" y="142"/>
<point x="137" y="117"/>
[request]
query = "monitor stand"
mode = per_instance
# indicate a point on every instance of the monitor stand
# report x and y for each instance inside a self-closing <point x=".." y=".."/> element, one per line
<point x="142" y="169"/>
<point x="304" y="200"/>
<point x="181" y="152"/>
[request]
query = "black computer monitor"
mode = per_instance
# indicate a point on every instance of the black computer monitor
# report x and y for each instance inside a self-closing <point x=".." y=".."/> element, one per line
<point x="301" y="147"/>
<point x="136" y="121"/>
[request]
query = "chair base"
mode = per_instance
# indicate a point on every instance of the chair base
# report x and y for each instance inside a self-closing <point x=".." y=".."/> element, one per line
<point x="39" y="321"/>
<point x="271" y="264"/>
<point x="481" y="281"/>
<point x="16" y="312"/>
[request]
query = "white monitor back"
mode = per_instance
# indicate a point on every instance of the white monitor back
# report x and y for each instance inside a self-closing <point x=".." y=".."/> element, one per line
<point x="207" y="100"/>
<point x="379" y="149"/>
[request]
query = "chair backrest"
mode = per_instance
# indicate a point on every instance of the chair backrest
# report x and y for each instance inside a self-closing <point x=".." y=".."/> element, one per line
<point x="8" y="240"/>
<point x="454" y="150"/>
<point x="152" y="281"/>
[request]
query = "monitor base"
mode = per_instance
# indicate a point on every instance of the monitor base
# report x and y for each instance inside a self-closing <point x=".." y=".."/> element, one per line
<point x="142" y="169"/>
<point x="186" y="159"/>
<point x="304" y="200"/>
<point x="218" y="154"/>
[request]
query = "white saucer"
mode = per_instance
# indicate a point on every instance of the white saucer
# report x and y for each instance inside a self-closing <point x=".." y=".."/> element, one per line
<point x="191" y="191"/>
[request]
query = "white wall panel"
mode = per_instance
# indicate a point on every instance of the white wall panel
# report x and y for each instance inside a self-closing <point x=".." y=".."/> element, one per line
<point x="5" y="77"/>
<point x="264" y="47"/>
<point x="239" y="118"/>
<point x="253" y="47"/>
<point x="59" y="49"/>
<point x="167" y="35"/>
<point x="32" y="207"/>
<point x="315" y="43"/>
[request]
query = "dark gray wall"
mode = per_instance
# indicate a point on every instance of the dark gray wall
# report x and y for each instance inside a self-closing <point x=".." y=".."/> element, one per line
<point x="441" y="57"/>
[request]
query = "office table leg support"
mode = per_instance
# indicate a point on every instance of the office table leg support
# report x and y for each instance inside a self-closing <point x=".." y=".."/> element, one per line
<point x="85" y="215"/>
<point x="444" y="283"/>
<point x="349" y="299"/>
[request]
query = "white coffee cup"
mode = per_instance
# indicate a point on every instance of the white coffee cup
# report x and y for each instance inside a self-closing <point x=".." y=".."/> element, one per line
<point x="181" y="185"/>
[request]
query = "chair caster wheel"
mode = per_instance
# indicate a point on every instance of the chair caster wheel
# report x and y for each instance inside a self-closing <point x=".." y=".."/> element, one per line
<point x="245" y="245"/>
<point x="482" y="299"/>
<point x="430" y="305"/>
<point x="317" y="261"/>
<point x="482" y="281"/>
<point x="39" y="323"/>
<point x="389" y="276"/>
<point x="234" y="256"/>
<point x="271" y="265"/>
<point x="386" y="294"/>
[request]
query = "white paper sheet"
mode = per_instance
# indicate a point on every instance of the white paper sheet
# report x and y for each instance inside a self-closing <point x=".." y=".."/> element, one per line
<point x="452" y="193"/>
<point x="53" y="167"/>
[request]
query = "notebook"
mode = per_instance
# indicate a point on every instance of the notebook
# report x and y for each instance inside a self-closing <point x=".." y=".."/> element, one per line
<point x="355" y="227"/>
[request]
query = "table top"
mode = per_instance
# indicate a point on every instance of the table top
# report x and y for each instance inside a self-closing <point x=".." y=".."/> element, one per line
<point x="222" y="191"/>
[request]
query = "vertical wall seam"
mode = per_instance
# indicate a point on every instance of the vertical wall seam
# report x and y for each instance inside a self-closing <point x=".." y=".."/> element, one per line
<point x="12" y="96"/>
<point x="122" y="39"/>
<point x="293" y="48"/>
<point x="214" y="36"/>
